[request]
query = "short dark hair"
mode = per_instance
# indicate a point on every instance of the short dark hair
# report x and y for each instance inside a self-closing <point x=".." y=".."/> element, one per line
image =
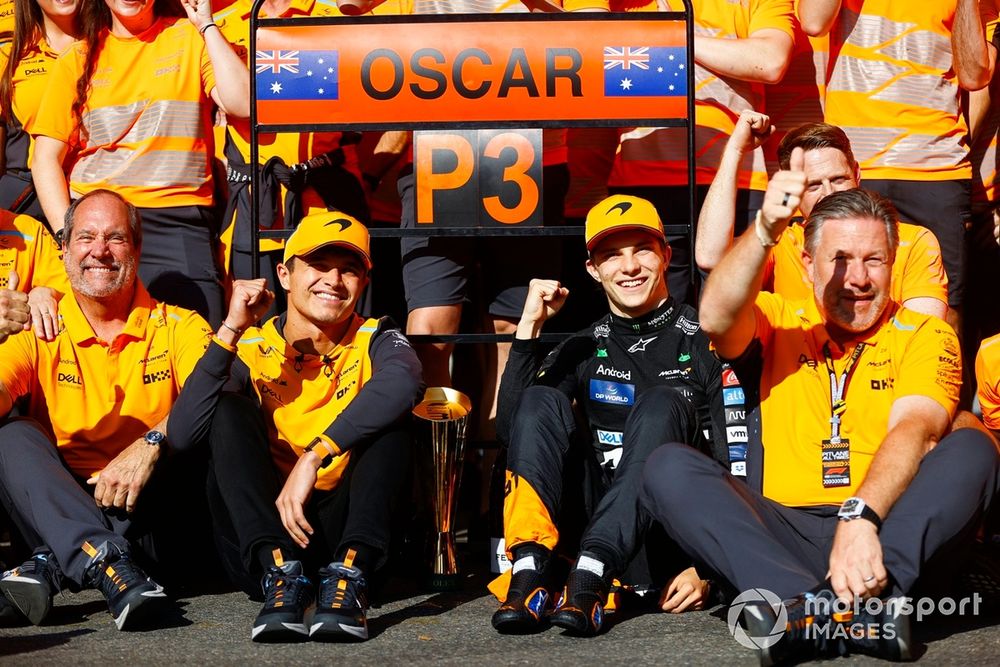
<point x="813" y="136"/>
<point x="856" y="203"/>
<point x="134" y="218"/>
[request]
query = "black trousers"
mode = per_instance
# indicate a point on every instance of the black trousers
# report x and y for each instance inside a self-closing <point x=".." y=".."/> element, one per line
<point x="243" y="484"/>
<point x="52" y="507"/>
<point x="547" y="451"/>
<point x="178" y="264"/>
<point x="753" y="542"/>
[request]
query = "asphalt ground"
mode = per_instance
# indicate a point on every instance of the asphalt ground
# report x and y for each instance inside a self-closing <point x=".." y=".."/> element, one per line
<point x="409" y="626"/>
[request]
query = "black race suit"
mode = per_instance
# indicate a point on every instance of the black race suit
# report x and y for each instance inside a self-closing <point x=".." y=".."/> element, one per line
<point x="638" y="383"/>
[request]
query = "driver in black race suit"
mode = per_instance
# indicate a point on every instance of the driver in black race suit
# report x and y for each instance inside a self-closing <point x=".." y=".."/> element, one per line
<point x="642" y="375"/>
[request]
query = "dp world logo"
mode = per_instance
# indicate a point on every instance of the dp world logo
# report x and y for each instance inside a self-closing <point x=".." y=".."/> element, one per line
<point x="757" y="597"/>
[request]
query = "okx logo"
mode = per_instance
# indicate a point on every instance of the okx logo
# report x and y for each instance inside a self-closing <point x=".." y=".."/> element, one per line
<point x="765" y="618"/>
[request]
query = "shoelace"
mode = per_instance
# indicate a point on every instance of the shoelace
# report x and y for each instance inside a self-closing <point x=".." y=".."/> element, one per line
<point x="119" y="574"/>
<point x="44" y="567"/>
<point x="284" y="588"/>
<point x="40" y="566"/>
<point x="345" y="594"/>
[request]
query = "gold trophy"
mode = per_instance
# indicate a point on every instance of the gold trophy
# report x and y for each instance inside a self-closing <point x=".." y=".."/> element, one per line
<point x="442" y="416"/>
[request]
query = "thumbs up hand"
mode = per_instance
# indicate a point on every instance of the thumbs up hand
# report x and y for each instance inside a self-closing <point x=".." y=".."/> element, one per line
<point x="14" y="312"/>
<point x="784" y="192"/>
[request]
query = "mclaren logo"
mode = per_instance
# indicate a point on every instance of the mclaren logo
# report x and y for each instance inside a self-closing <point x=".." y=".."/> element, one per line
<point x="343" y="222"/>
<point x="622" y="206"/>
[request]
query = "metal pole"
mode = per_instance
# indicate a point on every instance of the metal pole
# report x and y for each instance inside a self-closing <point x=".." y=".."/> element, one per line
<point x="254" y="149"/>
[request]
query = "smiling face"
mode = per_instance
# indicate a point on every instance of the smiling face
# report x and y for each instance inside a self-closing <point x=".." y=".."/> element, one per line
<point x="58" y="8"/>
<point x="630" y="266"/>
<point x="851" y="269"/>
<point x="324" y="286"/>
<point x="100" y="255"/>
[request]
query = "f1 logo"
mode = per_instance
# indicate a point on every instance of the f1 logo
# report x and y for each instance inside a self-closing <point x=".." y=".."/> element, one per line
<point x="495" y="174"/>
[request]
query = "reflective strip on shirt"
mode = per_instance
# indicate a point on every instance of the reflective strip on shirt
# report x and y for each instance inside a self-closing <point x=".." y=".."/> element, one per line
<point x="142" y="120"/>
<point x="155" y="169"/>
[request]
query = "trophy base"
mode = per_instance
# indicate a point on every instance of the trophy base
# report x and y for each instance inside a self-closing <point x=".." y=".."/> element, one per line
<point x="443" y="582"/>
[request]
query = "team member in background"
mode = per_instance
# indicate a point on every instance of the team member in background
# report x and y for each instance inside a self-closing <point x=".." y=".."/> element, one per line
<point x="135" y="99"/>
<point x="29" y="251"/>
<point x="799" y="98"/>
<point x="906" y="127"/>
<point x="437" y="272"/>
<point x="84" y="474"/>
<point x="304" y="473"/>
<point x="42" y="31"/>
<point x="982" y="318"/>
<point x="6" y="19"/>
<point x="988" y="380"/>
<point x="305" y="172"/>
<point x="642" y="375"/>
<point x="856" y="477"/>
<point x="918" y="278"/>
<point x="738" y="47"/>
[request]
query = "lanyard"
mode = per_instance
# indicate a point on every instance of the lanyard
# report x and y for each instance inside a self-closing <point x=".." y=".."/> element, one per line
<point x="838" y="388"/>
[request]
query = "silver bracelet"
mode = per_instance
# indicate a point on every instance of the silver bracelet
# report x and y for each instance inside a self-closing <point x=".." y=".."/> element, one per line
<point x="235" y="331"/>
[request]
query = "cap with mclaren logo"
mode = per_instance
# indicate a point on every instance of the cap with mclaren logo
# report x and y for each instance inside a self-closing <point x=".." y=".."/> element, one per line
<point x="328" y="228"/>
<point x="618" y="213"/>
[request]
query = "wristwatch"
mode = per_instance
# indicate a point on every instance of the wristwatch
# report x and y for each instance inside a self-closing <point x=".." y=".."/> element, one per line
<point x="155" y="438"/>
<point x="855" y="508"/>
<point x="326" y="460"/>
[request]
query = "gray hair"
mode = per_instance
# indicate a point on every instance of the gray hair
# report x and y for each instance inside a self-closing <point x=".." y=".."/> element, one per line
<point x="847" y="204"/>
<point x="134" y="219"/>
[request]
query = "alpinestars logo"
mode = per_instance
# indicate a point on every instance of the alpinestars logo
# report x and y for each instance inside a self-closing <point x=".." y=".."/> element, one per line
<point x="641" y="345"/>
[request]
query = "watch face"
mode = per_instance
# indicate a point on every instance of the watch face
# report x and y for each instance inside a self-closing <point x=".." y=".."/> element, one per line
<point x="850" y="508"/>
<point x="155" y="437"/>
